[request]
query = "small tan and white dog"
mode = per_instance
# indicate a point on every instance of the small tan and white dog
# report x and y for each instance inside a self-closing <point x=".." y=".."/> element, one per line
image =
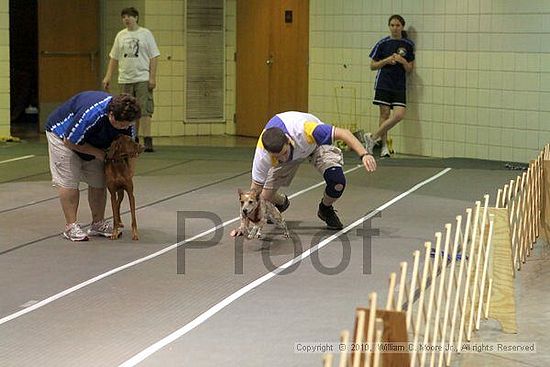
<point x="256" y="211"/>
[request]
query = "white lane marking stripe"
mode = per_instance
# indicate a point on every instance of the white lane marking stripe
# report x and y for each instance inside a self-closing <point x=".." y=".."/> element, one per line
<point x="17" y="159"/>
<point x="68" y="291"/>
<point x="225" y="302"/>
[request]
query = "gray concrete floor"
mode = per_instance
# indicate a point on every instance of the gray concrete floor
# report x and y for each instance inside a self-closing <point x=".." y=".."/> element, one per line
<point x="104" y="321"/>
<point x="533" y="318"/>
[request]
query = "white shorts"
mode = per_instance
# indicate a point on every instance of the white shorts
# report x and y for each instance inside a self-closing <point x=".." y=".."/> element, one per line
<point x="322" y="158"/>
<point x="68" y="169"/>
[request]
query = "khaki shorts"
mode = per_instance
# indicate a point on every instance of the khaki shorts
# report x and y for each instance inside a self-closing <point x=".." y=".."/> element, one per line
<point x="68" y="169"/>
<point x="322" y="158"/>
<point x="143" y="94"/>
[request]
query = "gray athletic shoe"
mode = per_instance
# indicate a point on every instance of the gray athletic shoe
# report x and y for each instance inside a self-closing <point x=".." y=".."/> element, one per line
<point x="369" y="143"/>
<point x="101" y="228"/>
<point x="385" y="152"/>
<point x="74" y="233"/>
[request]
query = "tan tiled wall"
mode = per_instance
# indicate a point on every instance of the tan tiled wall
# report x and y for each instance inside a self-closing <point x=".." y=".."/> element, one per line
<point x="480" y="89"/>
<point x="482" y="80"/>
<point x="166" y="19"/>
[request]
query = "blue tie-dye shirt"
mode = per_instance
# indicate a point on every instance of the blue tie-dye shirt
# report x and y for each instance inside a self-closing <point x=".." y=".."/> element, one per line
<point x="84" y="119"/>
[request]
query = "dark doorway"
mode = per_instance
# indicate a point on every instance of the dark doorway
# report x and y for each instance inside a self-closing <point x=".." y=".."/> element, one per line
<point x="24" y="68"/>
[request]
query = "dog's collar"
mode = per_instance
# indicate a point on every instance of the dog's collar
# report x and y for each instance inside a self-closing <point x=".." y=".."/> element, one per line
<point x="255" y="215"/>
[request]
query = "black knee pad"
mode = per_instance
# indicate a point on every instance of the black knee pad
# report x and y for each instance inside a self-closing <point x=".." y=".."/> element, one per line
<point x="336" y="182"/>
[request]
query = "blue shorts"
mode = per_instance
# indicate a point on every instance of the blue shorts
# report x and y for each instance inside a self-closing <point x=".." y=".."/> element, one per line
<point x="390" y="98"/>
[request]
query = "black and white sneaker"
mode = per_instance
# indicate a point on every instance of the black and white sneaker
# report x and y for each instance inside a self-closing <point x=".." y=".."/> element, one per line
<point x="328" y="215"/>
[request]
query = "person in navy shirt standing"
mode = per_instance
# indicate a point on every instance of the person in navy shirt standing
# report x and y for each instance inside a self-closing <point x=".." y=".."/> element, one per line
<point x="79" y="132"/>
<point x="393" y="57"/>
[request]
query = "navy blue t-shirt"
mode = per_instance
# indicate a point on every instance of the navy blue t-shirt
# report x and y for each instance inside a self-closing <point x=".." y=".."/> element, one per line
<point x="84" y="119"/>
<point x="392" y="77"/>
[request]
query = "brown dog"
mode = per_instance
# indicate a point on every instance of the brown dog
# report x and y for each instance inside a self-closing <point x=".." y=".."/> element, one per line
<point x="256" y="211"/>
<point x="119" y="170"/>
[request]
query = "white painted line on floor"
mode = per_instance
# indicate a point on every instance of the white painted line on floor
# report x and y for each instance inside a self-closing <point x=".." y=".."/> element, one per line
<point x="17" y="159"/>
<point x="73" y="289"/>
<point x="227" y="301"/>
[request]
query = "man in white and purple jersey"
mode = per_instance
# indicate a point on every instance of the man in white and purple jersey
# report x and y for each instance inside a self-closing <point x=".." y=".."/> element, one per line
<point x="79" y="132"/>
<point x="287" y="140"/>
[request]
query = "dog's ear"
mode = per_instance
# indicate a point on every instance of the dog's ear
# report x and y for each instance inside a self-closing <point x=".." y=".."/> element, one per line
<point x="113" y="150"/>
<point x="133" y="147"/>
<point x="257" y="194"/>
<point x="239" y="191"/>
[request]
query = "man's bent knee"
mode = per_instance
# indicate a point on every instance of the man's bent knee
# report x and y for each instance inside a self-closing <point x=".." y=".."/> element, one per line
<point x="336" y="182"/>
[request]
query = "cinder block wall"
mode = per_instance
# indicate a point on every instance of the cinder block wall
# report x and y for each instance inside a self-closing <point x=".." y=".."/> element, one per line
<point x="482" y="78"/>
<point x="166" y="19"/>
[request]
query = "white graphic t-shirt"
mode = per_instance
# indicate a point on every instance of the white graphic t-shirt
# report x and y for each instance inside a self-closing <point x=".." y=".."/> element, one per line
<point x="133" y="50"/>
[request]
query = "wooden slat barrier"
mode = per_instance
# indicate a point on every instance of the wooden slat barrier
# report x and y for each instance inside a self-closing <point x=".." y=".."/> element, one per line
<point x="545" y="218"/>
<point x="526" y="201"/>
<point x="466" y="276"/>
<point x="501" y="270"/>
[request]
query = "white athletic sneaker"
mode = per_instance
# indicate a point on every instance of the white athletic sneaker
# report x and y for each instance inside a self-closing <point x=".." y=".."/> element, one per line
<point x="385" y="152"/>
<point x="369" y="143"/>
<point x="73" y="232"/>
<point x="102" y="228"/>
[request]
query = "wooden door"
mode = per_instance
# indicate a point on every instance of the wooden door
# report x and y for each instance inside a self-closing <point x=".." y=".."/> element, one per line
<point x="68" y="51"/>
<point x="272" y="61"/>
<point x="253" y="25"/>
<point x="289" y="70"/>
